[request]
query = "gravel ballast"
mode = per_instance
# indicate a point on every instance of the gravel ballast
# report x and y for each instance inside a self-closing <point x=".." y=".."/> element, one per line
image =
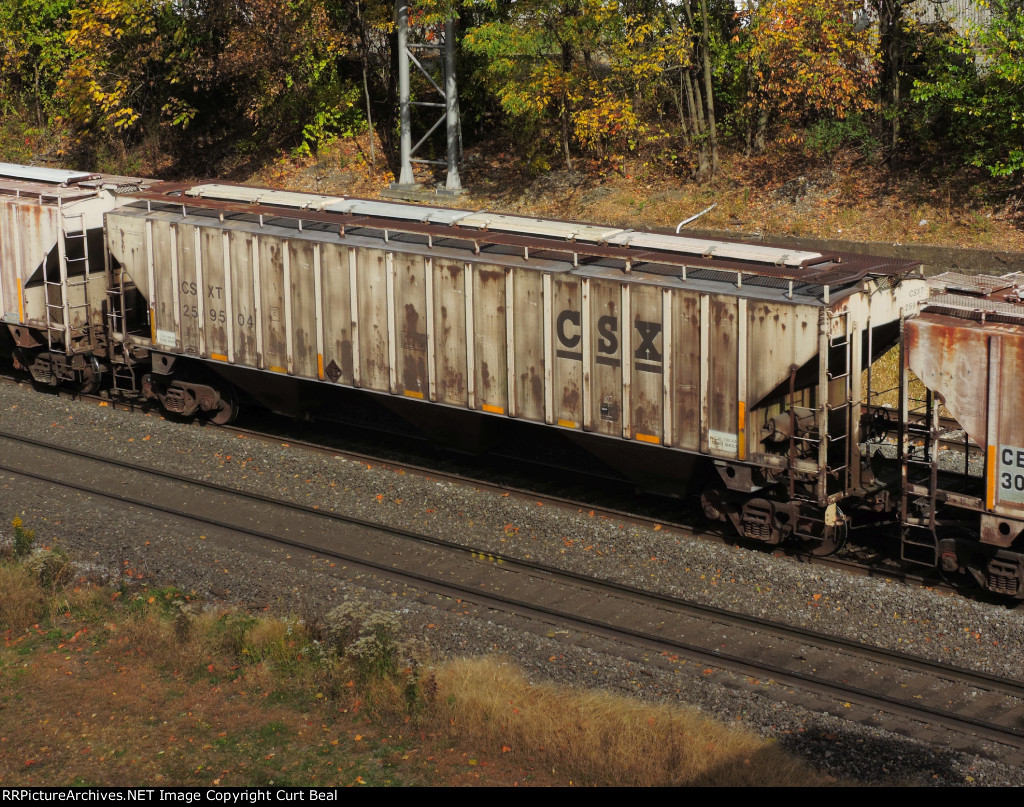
<point x="109" y="540"/>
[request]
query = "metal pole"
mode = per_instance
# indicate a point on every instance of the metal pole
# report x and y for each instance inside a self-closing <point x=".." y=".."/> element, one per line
<point x="402" y="13"/>
<point x="451" y="103"/>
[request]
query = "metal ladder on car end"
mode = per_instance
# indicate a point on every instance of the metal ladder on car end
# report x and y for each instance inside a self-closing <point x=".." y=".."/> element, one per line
<point x="919" y="543"/>
<point x="68" y="279"/>
<point x="840" y="439"/>
<point x="122" y="371"/>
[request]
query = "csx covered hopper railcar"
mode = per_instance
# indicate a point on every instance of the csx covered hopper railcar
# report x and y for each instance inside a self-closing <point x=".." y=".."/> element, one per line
<point x="54" y="286"/>
<point x="742" y="361"/>
<point x="745" y="355"/>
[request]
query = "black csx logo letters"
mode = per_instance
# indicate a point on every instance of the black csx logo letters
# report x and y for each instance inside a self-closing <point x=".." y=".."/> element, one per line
<point x="646" y="355"/>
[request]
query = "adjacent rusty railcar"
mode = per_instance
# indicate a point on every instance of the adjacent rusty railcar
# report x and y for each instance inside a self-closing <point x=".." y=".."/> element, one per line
<point x="967" y="347"/>
<point x="745" y="356"/>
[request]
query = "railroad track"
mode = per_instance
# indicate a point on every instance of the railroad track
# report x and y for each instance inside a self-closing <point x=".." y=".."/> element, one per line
<point x="515" y="473"/>
<point x="854" y="562"/>
<point x="843" y="673"/>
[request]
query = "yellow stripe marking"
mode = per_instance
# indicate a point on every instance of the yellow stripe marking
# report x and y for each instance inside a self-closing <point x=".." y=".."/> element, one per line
<point x="21" y="303"/>
<point x="320" y="366"/>
<point x="742" y="435"/>
<point x="647" y="438"/>
<point x="497" y="410"/>
<point x="569" y="424"/>
<point x="277" y="369"/>
<point x="152" y="324"/>
<point x="990" y="488"/>
<point x="218" y="357"/>
<point x="413" y="394"/>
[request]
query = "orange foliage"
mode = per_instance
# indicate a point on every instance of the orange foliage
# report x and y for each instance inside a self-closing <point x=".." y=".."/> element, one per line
<point x="808" y="56"/>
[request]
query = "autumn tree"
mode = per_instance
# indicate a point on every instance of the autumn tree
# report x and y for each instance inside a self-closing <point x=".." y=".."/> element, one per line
<point x="807" y="59"/>
<point x="972" y="91"/>
<point x="531" y="56"/>
<point x="252" y="74"/>
<point x="34" y="54"/>
<point x="599" y="73"/>
<point x="696" y="27"/>
<point x="116" y="49"/>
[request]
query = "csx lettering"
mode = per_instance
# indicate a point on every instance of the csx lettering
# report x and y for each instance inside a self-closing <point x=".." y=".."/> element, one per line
<point x="214" y="292"/>
<point x="648" y="333"/>
<point x="568" y="329"/>
<point x="568" y="317"/>
<point x="189" y="287"/>
<point x="608" y="328"/>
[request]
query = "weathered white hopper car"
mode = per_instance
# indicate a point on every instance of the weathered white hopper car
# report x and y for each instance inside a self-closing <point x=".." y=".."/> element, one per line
<point x="53" y="286"/>
<point x="750" y="356"/>
<point x="742" y="361"/>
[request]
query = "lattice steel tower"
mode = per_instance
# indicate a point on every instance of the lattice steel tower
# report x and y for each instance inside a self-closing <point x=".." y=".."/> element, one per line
<point x="434" y="42"/>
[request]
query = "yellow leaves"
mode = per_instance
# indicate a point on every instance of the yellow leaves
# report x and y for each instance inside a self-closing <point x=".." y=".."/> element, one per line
<point x="114" y="42"/>
<point x="809" y="56"/>
<point x="605" y="118"/>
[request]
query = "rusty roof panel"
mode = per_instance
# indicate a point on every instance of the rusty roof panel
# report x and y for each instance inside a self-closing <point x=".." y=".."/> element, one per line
<point x="386" y="219"/>
<point x="572" y="239"/>
<point x="974" y="284"/>
<point x="977" y="308"/>
<point x="978" y="298"/>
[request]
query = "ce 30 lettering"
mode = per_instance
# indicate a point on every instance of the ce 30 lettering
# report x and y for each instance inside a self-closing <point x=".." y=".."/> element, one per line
<point x="1011" y="472"/>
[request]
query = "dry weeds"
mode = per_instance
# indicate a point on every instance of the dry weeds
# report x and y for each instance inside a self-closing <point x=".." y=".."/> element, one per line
<point x="136" y="687"/>
<point x="22" y="602"/>
<point x="600" y="738"/>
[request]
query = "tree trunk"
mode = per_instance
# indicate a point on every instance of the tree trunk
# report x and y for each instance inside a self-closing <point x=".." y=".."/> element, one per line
<point x="678" y="96"/>
<point x="364" y="56"/>
<point x="708" y="94"/>
<point x="693" y="101"/>
<point x="890" y="35"/>
<point x="762" y="128"/>
<point x="698" y="102"/>
<point x="39" y="108"/>
<point x="567" y="59"/>
<point x="693" y="97"/>
<point x="565" y="132"/>
<point x="751" y="137"/>
<point x="673" y="23"/>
